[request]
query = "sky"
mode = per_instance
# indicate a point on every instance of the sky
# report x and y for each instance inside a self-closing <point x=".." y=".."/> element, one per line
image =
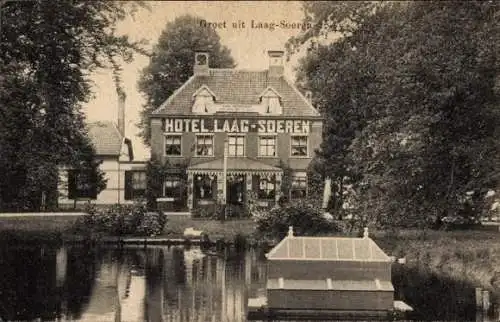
<point x="248" y="47"/>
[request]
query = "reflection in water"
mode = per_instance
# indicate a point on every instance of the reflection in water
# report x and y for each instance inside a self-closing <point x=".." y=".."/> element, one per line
<point x="165" y="284"/>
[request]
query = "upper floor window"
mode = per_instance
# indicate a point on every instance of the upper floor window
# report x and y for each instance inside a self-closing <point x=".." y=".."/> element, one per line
<point x="298" y="146"/>
<point x="267" y="146"/>
<point x="173" y="145"/>
<point x="135" y="184"/>
<point x="236" y="145"/>
<point x="270" y="101"/>
<point x="204" y="145"/>
<point x="204" y="100"/>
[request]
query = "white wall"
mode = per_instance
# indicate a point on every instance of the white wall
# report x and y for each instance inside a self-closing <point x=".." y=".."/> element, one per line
<point x="115" y="188"/>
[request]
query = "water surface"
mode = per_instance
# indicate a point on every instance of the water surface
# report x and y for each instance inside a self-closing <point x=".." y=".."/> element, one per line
<point x="84" y="283"/>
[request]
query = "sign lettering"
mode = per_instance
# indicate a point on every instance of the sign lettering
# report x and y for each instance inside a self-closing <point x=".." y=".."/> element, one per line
<point x="202" y="125"/>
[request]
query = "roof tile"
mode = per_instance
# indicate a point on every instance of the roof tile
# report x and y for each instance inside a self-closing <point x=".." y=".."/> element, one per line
<point x="237" y="87"/>
<point x="105" y="138"/>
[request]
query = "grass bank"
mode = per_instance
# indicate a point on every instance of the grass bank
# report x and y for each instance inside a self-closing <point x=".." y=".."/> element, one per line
<point x="35" y="228"/>
<point x="215" y="229"/>
<point x="468" y="255"/>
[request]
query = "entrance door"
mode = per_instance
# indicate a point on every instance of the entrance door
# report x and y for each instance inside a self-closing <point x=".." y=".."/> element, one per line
<point x="236" y="187"/>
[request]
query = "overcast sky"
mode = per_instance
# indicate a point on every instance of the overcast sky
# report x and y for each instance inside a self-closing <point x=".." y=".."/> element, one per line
<point x="248" y="47"/>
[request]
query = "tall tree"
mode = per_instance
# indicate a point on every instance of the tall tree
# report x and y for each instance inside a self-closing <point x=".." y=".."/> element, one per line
<point x="416" y="84"/>
<point x="47" y="51"/>
<point x="172" y="63"/>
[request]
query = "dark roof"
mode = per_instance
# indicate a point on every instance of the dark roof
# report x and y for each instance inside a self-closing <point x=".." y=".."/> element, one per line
<point x="239" y="88"/>
<point x="106" y="139"/>
<point x="328" y="248"/>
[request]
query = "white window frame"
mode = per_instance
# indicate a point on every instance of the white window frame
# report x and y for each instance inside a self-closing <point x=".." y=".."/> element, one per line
<point x="301" y="175"/>
<point x="275" y="136"/>
<point x="165" y="135"/>
<point x="178" y="180"/>
<point x="307" y="146"/>
<point x="196" y="145"/>
<point x="244" y="145"/>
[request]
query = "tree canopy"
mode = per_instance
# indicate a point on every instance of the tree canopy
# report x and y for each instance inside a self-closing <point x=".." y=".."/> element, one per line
<point x="411" y="102"/>
<point x="172" y="63"/>
<point x="47" y="52"/>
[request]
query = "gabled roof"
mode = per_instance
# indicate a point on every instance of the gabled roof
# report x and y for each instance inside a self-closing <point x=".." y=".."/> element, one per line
<point x="328" y="249"/>
<point x="237" y="87"/>
<point x="269" y="89"/>
<point x="204" y="88"/>
<point x="107" y="140"/>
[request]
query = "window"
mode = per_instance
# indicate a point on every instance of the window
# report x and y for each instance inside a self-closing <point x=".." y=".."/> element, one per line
<point x="135" y="184"/>
<point x="299" y="186"/>
<point x="171" y="187"/>
<point x="172" y="145"/>
<point x="267" y="187"/>
<point x="204" y="145"/>
<point x="236" y="146"/>
<point x="81" y="185"/>
<point x="298" y="146"/>
<point x="267" y="146"/>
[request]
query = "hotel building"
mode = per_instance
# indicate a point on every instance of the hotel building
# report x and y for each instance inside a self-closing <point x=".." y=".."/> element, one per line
<point x="228" y="133"/>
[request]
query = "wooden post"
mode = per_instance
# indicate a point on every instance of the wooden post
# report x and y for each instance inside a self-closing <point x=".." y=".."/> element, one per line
<point x="479" y="297"/>
<point x="486" y="301"/>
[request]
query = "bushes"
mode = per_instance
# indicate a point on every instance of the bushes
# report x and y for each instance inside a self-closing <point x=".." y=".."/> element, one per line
<point x="305" y="217"/>
<point x="123" y="220"/>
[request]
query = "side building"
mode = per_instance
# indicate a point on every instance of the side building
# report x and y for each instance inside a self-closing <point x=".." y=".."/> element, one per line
<point x="126" y="178"/>
<point x="267" y="129"/>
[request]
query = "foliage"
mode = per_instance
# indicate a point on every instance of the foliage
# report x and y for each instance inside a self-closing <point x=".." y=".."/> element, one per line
<point x="172" y="63"/>
<point x="410" y="96"/>
<point x="123" y="220"/>
<point x="47" y="52"/>
<point x="305" y="216"/>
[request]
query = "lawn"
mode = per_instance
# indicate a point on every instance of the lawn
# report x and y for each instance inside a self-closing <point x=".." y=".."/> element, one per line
<point x="213" y="228"/>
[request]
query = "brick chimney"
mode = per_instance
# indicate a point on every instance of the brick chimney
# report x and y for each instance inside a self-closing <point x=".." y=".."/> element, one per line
<point x="201" y="63"/>
<point x="121" y="111"/>
<point x="276" y="67"/>
<point x="309" y="96"/>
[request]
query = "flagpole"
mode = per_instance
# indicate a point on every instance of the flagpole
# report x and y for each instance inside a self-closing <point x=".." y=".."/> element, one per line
<point x="224" y="179"/>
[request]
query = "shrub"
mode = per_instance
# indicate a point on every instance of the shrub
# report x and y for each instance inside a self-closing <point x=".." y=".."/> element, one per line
<point x="306" y="217"/>
<point x="123" y="220"/>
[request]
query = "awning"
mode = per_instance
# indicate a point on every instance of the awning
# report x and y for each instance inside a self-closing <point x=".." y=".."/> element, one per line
<point x="235" y="166"/>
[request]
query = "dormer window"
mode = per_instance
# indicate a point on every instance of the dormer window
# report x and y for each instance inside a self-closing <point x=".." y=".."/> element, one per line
<point x="204" y="100"/>
<point x="271" y="101"/>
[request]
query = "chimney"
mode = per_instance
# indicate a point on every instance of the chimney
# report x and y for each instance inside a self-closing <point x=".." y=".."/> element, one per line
<point x="276" y="68"/>
<point x="121" y="111"/>
<point x="309" y="96"/>
<point x="201" y="63"/>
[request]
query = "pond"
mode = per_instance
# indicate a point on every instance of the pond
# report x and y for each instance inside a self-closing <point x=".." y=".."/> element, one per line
<point x="160" y="283"/>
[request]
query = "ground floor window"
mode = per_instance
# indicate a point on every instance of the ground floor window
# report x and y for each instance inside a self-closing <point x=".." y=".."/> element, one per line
<point x="205" y="186"/>
<point x="135" y="184"/>
<point x="265" y="186"/>
<point x="299" y="186"/>
<point x="171" y="187"/>
<point x="81" y="185"/>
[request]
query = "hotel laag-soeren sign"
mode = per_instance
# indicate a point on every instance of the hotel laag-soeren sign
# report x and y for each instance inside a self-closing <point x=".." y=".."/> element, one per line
<point x="210" y="125"/>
